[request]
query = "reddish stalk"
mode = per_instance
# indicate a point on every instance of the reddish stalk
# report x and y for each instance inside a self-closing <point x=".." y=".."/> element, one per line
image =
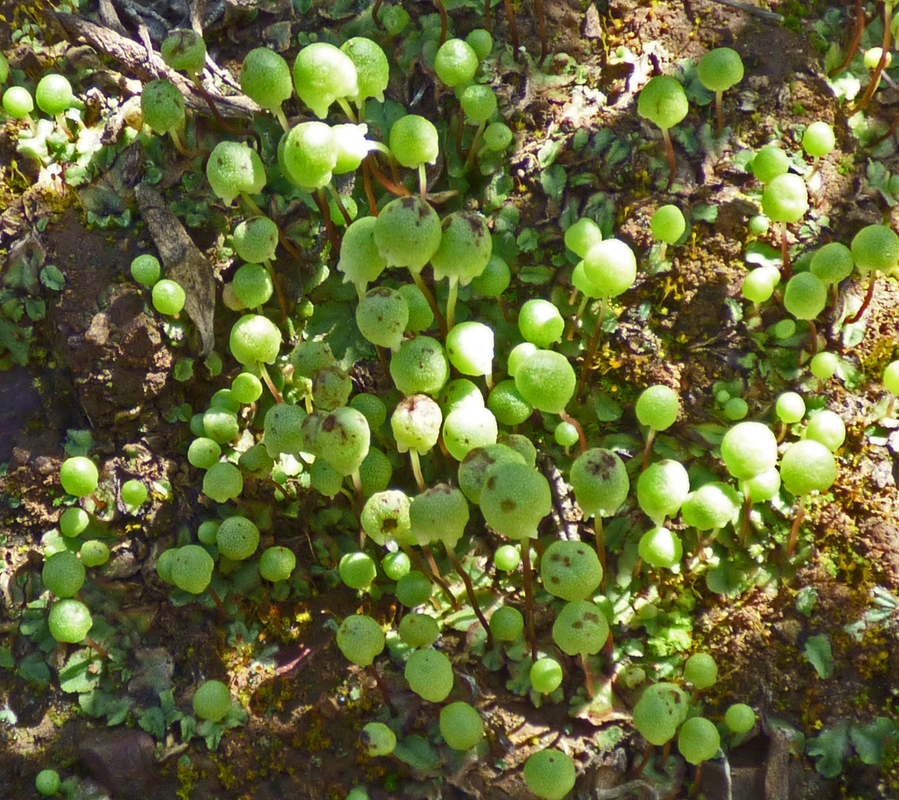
<point x="469" y="588"/>
<point x="591" y="352"/>
<point x="541" y="27"/>
<point x="382" y="686"/>
<point x="369" y="192"/>
<point x="878" y="70"/>
<point x="581" y="437"/>
<point x="669" y="153"/>
<point x="444" y="21"/>
<point x="794" y="531"/>
<point x="865" y="303"/>
<point x="488" y="18"/>
<point x="513" y="28"/>
<point x="394" y="188"/>
<point x="377" y="7"/>
<point x="322" y="202"/>
<point x="856" y="40"/>
<point x="786" y="270"/>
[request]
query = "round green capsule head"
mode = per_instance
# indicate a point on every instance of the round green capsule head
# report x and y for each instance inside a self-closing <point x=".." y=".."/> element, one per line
<point x="256" y="239"/>
<point x="661" y="548"/>
<point x="461" y="726"/>
<point x="807" y="466"/>
<point x="372" y="68"/>
<point x="875" y="247"/>
<point x="184" y="50"/>
<point x="785" y="198"/>
<point x="540" y="322"/>
<point x="469" y="347"/>
<point x="818" y="139"/>
<point x="343" y="439"/>
<point x="162" y="106"/>
<point x="456" y="62"/>
<point x="600" y="482"/>
<point x="570" y="570"/>
<point x="439" y="514"/>
<point x="467" y="428"/>
<point x="360" y="639"/>
<point x="212" y="701"/>
<point x="378" y="739"/>
<point x="550" y="774"/>
<point x="749" y="449"/>
<point x="69" y="621"/>
<point x="265" y="78"/>
<point x="698" y="740"/>
<point x="719" y="69"/>
<point x="430" y="675"/>
<point x="805" y="295"/>
<point x="465" y="247"/>
<point x="360" y="262"/>
<point x="582" y="235"/>
<point x="581" y="628"/>
<point x="514" y="499"/>
<point x="322" y="74"/>
<point x="407" y="233"/>
<point x="420" y="366"/>
<point x="237" y="538"/>
<point x="668" y="224"/>
<point x="191" y="568"/>
<point x="662" y="708"/>
<point x="308" y="154"/>
<point x="416" y="423"/>
<point x="832" y="263"/>
<point x="663" y="102"/>
<point x="382" y="316"/>
<point x="414" y="141"/>
<point x="657" y="407"/>
<point x="53" y="94"/>
<point x="476" y="465"/>
<point x="385" y="516"/>
<point x="234" y="168"/>
<point x="611" y="267"/>
<point x="546" y="380"/>
<point x="661" y="489"/>
<point x="711" y="506"/>
<point x="769" y="162"/>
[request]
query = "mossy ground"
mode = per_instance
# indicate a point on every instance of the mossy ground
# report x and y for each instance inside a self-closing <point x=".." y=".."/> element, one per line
<point x="100" y="363"/>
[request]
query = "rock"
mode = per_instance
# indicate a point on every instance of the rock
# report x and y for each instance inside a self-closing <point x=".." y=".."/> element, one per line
<point x="122" y="760"/>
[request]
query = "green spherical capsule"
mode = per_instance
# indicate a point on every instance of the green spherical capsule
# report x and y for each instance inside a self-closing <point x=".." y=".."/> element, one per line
<point x="191" y="568"/>
<point x="818" y="139"/>
<point x="550" y="774"/>
<point x="168" y="297"/>
<point x="265" y="77"/>
<point x="546" y="675"/>
<point x="720" y="69"/>
<point x="661" y="548"/>
<point x="663" y="102"/>
<point x="237" y="538"/>
<point x="47" y="782"/>
<point x="63" y="574"/>
<point x="413" y="589"/>
<point x="308" y="155"/>
<point x="546" y="380"/>
<point x="420" y="366"/>
<point x="73" y="522"/>
<point x="658" y="407"/>
<point x="739" y="718"/>
<point x="465" y="247"/>
<point x="698" y="740"/>
<point x="514" y="499"/>
<point x="378" y="739"/>
<point x="570" y="570"/>
<point x="162" y="106"/>
<point x="826" y="427"/>
<point x="580" y="628"/>
<point x="807" y="466"/>
<point x="184" y="50"/>
<point x="875" y="247"/>
<point x="212" y="701"/>
<point x="461" y="726"/>
<point x="430" y="675"/>
<point x="600" y="482"/>
<point x="661" y="489"/>
<point x="414" y="141"/>
<point x="832" y="263"/>
<point x="372" y="68"/>
<point x="146" y="269"/>
<point x="357" y="570"/>
<point x="322" y="74"/>
<point x="611" y="266"/>
<point x="790" y="407"/>
<point x="233" y="168"/>
<point x="478" y="102"/>
<point x="456" y="62"/>
<point x="385" y="516"/>
<point x="785" y="198"/>
<point x="360" y="639"/>
<point x="701" y="670"/>
<point x="69" y="621"/>
<point x="418" y="630"/>
<point x="805" y="296"/>
<point x="769" y="162"/>
<point x="407" y="232"/>
<point x="54" y="95"/>
<point x="255" y="338"/>
<point x="79" y="476"/>
<point x="668" y="224"/>
<point x="18" y="102"/>
<point x="497" y="136"/>
<point x="134" y="493"/>
<point x="507" y="404"/>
